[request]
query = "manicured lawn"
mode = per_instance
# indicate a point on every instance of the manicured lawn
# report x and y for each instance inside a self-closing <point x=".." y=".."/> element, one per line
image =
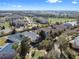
<point x="63" y="20"/>
<point x="2" y="41"/>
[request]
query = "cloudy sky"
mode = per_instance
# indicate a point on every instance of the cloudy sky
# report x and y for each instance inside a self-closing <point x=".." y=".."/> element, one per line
<point x="39" y="5"/>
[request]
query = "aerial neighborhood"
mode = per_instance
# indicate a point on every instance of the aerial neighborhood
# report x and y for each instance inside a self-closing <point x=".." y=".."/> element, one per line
<point x="39" y="35"/>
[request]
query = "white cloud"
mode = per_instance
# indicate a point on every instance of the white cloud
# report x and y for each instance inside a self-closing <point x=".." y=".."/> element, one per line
<point x="75" y="1"/>
<point x="18" y="6"/>
<point x="53" y="1"/>
<point x="59" y="1"/>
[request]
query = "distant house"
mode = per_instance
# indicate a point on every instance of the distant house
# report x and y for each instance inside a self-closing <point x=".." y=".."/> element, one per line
<point x="21" y="22"/>
<point x="42" y="21"/>
<point x="67" y="25"/>
<point x="60" y="27"/>
<point x="72" y="23"/>
<point x="75" y="43"/>
<point x="17" y="23"/>
<point x="4" y="32"/>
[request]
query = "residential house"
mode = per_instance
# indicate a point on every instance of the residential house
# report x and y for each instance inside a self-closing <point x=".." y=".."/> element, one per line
<point x="75" y="44"/>
<point x="7" y="52"/>
<point x="42" y="21"/>
<point x="5" y="31"/>
<point x="18" y="36"/>
<point x="33" y="36"/>
<point x="59" y="27"/>
<point x="72" y="23"/>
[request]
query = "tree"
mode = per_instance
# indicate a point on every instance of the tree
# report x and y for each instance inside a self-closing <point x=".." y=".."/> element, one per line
<point x="46" y="44"/>
<point x="42" y="34"/>
<point x="15" y="46"/>
<point x="17" y="57"/>
<point x="14" y="31"/>
<point x="25" y="46"/>
<point x="3" y="27"/>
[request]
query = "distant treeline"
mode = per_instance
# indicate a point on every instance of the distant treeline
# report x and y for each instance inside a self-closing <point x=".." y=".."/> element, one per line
<point x="59" y="14"/>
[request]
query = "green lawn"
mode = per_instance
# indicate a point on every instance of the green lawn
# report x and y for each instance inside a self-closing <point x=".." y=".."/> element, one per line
<point x="6" y="24"/>
<point x="2" y="41"/>
<point x="63" y="20"/>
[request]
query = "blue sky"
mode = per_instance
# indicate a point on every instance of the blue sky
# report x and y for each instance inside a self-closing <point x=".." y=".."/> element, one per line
<point x="39" y="5"/>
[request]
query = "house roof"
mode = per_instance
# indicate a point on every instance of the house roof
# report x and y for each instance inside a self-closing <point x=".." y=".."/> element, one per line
<point x="48" y="29"/>
<point x="8" y="52"/>
<point x="72" y="23"/>
<point x="33" y="36"/>
<point x="76" y="41"/>
<point x="42" y="21"/>
<point x="6" y="30"/>
<point x="67" y="25"/>
<point x="17" y="37"/>
<point x="60" y="27"/>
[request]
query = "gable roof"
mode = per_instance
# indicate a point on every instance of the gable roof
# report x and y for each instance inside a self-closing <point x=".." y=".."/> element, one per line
<point x="15" y="37"/>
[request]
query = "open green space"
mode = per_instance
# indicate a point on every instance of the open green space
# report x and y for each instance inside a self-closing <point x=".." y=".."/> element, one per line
<point x="61" y="20"/>
<point x="5" y="24"/>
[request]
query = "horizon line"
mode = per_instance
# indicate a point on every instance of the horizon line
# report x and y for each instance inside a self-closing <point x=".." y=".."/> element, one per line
<point x="39" y="10"/>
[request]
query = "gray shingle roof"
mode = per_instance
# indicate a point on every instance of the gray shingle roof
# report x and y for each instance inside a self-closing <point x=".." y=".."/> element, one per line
<point x="33" y="36"/>
<point x="76" y="41"/>
<point x="17" y="37"/>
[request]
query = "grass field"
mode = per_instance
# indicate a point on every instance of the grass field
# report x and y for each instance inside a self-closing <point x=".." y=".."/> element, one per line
<point x="5" y="24"/>
<point x="2" y="41"/>
<point x="63" y="20"/>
